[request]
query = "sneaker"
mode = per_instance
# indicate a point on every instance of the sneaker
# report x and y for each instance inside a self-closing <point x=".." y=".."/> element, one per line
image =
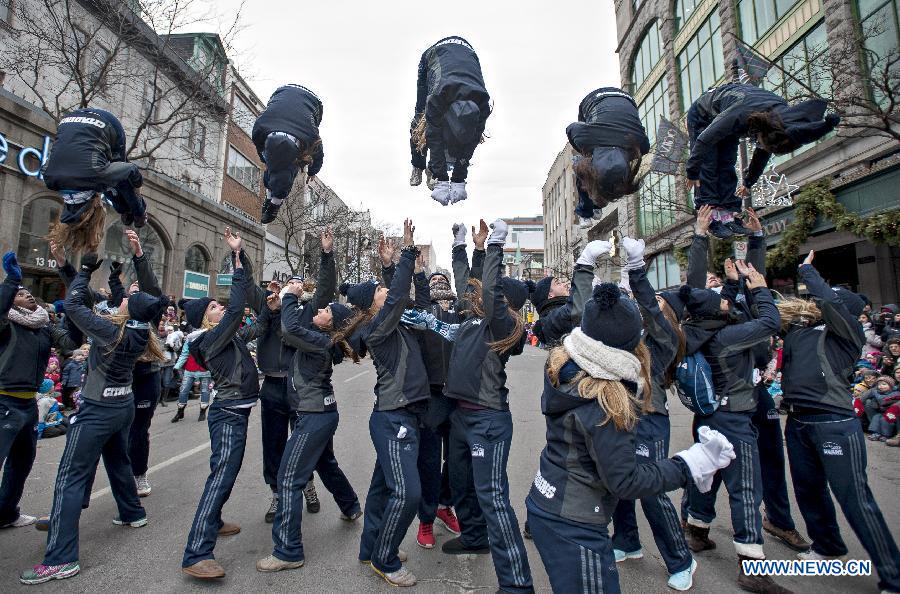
<point x="272" y="563"/>
<point x="684" y="579"/>
<point x="720" y="230"/>
<point x="140" y="221"/>
<point x="446" y="517"/>
<point x="625" y="555"/>
<point x="312" y="498"/>
<point x="416" y="178"/>
<point x="425" y="537"/>
<point x="402" y="577"/>
<point x="202" y="416"/>
<point x="811" y="555"/>
<point x="143" y="485"/>
<point x="21" y="521"/>
<point x="352" y="517"/>
<point x="135" y="524"/>
<point x="791" y="538"/>
<point x="737" y="227"/>
<point x="441" y="193"/>
<point x="42" y="524"/>
<point x="873" y="437"/>
<point x="127" y="219"/>
<point x="273" y="508"/>
<point x="269" y="212"/>
<point x="179" y="414"/>
<point x="455" y="547"/>
<point x="44" y="573"/>
<point x="457" y="192"/>
<point x="208" y="569"/>
<point x="401" y="554"/>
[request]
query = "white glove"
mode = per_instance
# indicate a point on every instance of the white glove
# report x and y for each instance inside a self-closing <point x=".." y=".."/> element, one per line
<point x="459" y="234"/>
<point x="498" y="233"/>
<point x="713" y="453"/>
<point x="592" y="251"/>
<point x="634" y="252"/>
<point x="441" y="192"/>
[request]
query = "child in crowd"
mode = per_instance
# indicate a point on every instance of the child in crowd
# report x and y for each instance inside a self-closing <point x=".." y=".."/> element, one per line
<point x="876" y="402"/>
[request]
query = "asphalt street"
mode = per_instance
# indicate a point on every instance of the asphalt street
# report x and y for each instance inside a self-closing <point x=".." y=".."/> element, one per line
<point x="117" y="559"/>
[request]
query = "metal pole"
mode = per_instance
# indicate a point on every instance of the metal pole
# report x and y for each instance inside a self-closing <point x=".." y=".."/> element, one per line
<point x="742" y="148"/>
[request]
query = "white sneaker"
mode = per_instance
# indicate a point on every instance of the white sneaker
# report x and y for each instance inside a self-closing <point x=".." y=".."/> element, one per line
<point x="457" y="192"/>
<point x="416" y="178"/>
<point x="441" y="192"/>
<point x="811" y="555"/>
<point x="143" y="485"/>
<point x="22" y="520"/>
<point x="402" y="577"/>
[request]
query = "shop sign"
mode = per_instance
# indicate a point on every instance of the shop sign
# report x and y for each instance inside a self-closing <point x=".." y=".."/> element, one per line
<point x="196" y="285"/>
<point x="223" y="280"/>
<point x="41" y="154"/>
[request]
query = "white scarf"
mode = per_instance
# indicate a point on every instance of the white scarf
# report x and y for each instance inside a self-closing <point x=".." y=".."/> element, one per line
<point x="601" y="361"/>
<point x="30" y="319"/>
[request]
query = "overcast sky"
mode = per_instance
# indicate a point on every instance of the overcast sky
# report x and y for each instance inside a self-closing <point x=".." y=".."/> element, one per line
<point x="538" y="59"/>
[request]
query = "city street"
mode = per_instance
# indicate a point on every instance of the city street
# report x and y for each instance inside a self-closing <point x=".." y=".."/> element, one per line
<point x="116" y="559"/>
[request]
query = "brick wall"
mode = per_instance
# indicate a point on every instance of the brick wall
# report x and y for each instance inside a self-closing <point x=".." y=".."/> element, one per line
<point x="233" y="192"/>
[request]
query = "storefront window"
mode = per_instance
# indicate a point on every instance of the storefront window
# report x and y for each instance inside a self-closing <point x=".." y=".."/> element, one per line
<point x="116" y="248"/>
<point x="647" y="56"/>
<point x="700" y="63"/>
<point x="657" y="203"/>
<point x="758" y="16"/>
<point x="654" y="106"/>
<point x="664" y="271"/>
<point x="196" y="260"/>
<point x="33" y="250"/>
<point x="880" y="23"/>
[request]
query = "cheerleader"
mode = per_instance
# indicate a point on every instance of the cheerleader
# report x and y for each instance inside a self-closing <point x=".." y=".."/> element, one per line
<point x="452" y="106"/>
<point x="287" y="139"/>
<point x="609" y="141"/>
<point x="102" y="424"/>
<point x="595" y="387"/>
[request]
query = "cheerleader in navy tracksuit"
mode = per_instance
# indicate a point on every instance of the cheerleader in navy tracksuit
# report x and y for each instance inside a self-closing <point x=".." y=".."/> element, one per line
<point x="102" y="424"/>
<point x="287" y="139"/>
<point x="595" y="386"/>
<point x="452" y="106"/>
<point x="310" y="446"/>
<point x="481" y="426"/>
<point x="664" y="340"/>
<point x="222" y="349"/>
<point x="609" y="140"/>
<point x="401" y="399"/>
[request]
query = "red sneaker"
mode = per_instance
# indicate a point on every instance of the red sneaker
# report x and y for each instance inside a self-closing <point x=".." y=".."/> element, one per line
<point x="425" y="537"/>
<point x="448" y="520"/>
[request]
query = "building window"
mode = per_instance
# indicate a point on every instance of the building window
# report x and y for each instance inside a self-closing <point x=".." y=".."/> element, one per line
<point x="657" y="203"/>
<point x="664" y="271"/>
<point x="33" y="250"/>
<point x="758" y="16"/>
<point x="196" y="260"/>
<point x="197" y="138"/>
<point x="5" y="11"/>
<point x="116" y="248"/>
<point x="242" y="115"/>
<point x="647" y="56"/>
<point x="150" y="106"/>
<point x="880" y="22"/>
<point x="700" y="63"/>
<point x="242" y="170"/>
<point x="683" y="11"/>
<point x="654" y="106"/>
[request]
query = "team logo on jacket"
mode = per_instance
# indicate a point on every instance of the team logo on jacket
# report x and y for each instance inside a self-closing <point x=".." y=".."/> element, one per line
<point x="477" y="450"/>
<point x="543" y="487"/>
<point x="829" y="448"/>
<point x="642" y="450"/>
<point x="83" y="120"/>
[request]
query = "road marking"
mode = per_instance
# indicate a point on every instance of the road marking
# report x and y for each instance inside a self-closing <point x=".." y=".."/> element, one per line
<point x="360" y="374"/>
<point x="204" y="446"/>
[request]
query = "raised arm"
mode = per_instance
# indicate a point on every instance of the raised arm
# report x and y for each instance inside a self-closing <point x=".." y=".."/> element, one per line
<point x="256" y="295"/>
<point x="9" y="287"/>
<point x="838" y="319"/>
<point x="217" y="338"/>
<point x="147" y="281"/>
<point x="757" y="165"/>
<point x="697" y="253"/>
<point x="305" y="339"/>
<point x="100" y="330"/>
<point x="495" y="310"/>
<point x="387" y="320"/>
<point x="326" y="283"/>
<point x="386" y="251"/>
<point x="420" y="283"/>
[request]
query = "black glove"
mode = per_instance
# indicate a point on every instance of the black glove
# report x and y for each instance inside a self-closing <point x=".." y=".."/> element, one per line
<point x="115" y="270"/>
<point x="90" y="263"/>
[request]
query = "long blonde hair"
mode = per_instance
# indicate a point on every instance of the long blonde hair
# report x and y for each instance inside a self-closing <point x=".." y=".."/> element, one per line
<point x="477" y="307"/>
<point x="621" y="406"/>
<point x="84" y="235"/>
<point x="153" y="351"/>
<point x="794" y="310"/>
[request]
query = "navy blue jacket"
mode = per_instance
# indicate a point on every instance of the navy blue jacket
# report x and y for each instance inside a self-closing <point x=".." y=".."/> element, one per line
<point x="477" y="374"/>
<point x="462" y="273"/>
<point x="87" y="142"/>
<point x="818" y="361"/>
<point x="110" y="371"/>
<point x="296" y="110"/>
<point x="401" y="376"/>
<point x="721" y="114"/>
<point x="557" y="320"/>
<point x="24" y="352"/>
<point x="588" y="465"/>
<point x="609" y="117"/>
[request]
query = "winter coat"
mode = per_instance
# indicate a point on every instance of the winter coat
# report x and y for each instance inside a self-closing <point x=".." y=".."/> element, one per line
<point x="818" y="360"/>
<point x="588" y="465"/>
<point x="296" y="110"/>
<point x="873" y="340"/>
<point x="556" y="320"/>
<point x="71" y="376"/>
<point x="608" y="117"/>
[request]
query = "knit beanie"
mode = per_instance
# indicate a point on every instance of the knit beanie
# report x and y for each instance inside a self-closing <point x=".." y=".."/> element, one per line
<point x="886" y="379"/>
<point x="541" y="291"/>
<point x="144" y="307"/>
<point x="701" y="303"/>
<point x="611" y="318"/>
<point x="194" y="310"/>
<point x="360" y="295"/>
<point x="340" y="313"/>
<point x="515" y="291"/>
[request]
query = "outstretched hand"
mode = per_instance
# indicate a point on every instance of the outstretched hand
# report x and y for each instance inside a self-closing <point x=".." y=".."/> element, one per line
<point x="408" y="233"/>
<point x="233" y="240"/>
<point x="704" y="218"/>
<point x="135" y="243"/>
<point x="327" y="239"/>
<point x="755" y="280"/>
<point x="90" y="262"/>
<point x="809" y="257"/>
<point x="481" y="235"/>
<point x="731" y="269"/>
<point x="58" y="253"/>
<point x="386" y="250"/>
